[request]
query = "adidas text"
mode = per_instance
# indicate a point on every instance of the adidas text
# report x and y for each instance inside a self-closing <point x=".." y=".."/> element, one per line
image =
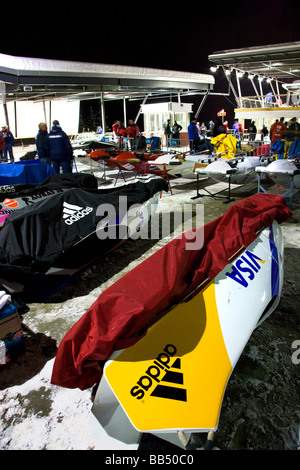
<point x="152" y="376"/>
<point x="72" y="213"/>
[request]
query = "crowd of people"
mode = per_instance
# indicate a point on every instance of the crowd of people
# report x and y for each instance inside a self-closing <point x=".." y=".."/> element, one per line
<point x="278" y="130"/>
<point x="54" y="147"/>
<point x="125" y="135"/>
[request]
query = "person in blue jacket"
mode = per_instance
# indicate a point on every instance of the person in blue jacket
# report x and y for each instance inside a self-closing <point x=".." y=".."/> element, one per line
<point x="40" y="143"/>
<point x="9" y="141"/>
<point x="59" y="149"/>
<point x="193" y="136"/>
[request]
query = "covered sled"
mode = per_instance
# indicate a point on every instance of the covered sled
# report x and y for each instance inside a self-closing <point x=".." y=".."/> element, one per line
<point x="163" y="351"/>
<point x="16" y="196"/>
<point x="69" y="229"/>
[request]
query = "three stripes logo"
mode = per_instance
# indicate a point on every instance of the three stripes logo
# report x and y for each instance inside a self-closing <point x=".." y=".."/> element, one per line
<point x="164" y="375"/>
<point x="166" y="390"/>
<point x="73" y="213"/>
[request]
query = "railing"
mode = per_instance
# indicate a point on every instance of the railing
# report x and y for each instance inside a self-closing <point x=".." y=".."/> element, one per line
<point x="262" y="102"/>
<point x="246" y="141"/>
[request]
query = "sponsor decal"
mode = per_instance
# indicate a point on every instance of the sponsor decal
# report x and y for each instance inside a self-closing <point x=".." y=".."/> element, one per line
<point x="245" y="268"/>
<point x="40" y="195"/>
<point x="162" y="379"/>
<point x="10" y="203"/>
<point x="73" y="213"/>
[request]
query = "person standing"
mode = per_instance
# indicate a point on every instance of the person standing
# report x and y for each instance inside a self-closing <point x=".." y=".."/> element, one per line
<point x="59" y="149"/>
<point x="219" y="127"/>
<point x="1" y="147"/>
<point x="278" y="130"/>
<point x="121" y="132"/>
<point x="176" y="131"/>
<point x="193" y="136"/>
<point x="40" y="143"/>
<point x="132" y="131"/>
<point x="115" y="126"/>
<point x="237" y="128"/>
<point x="252" y="131"/>
<point x="264" y="132"/>
<point x="9" y="141"/>
<point x="167" y="131"/>
<point x="203" y="130"/>
<point x="293" y="131"/>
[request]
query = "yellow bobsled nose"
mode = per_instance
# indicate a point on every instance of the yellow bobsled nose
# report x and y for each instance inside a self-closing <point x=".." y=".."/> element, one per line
<point x="175" y="376"/>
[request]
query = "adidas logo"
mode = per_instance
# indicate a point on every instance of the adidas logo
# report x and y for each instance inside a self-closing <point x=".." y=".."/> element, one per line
<point x="72" y="213"/>
<point x="168" y="381"/>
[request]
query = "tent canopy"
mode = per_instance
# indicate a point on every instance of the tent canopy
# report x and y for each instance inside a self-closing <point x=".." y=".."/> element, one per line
<point x="281" y="61"/>
<point x="44" y="79"/>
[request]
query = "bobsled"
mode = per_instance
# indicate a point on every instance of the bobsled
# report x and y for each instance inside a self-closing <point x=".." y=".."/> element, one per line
<point x="163" y="352"/>
<point x="240" y="169"/>
<point x="184" y="166"/>
<point x="282" y="172"/>
<point x="65" y="232"/>
<point x="17" y="196"/>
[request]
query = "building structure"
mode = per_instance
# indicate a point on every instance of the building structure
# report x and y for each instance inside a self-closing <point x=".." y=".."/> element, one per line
<point x="34" y="90"/>
<point x="271" y="73"/>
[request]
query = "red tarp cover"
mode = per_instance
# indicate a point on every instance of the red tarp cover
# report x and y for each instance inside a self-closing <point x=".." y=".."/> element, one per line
<point x="122" y="313"/>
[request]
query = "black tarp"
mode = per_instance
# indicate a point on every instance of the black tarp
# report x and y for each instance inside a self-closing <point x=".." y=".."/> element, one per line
<point x="15" y="197"/>
<point x="63" y="180"/>
<point x="57" y="231"/>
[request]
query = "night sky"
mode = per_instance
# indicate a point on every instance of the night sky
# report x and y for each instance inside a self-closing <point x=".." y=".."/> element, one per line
<point x="169" y="35"/>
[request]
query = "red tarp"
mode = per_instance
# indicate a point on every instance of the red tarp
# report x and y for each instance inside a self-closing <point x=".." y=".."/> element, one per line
<point x="124" y="311"/>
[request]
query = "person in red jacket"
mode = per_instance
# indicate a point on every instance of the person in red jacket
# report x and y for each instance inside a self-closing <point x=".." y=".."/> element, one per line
<point x="278" y="130"/>
<point x="121" y="132"/>
<point x="132" y="132"/>
<point x="2" y="146"/>
<point x="114" y="129"/>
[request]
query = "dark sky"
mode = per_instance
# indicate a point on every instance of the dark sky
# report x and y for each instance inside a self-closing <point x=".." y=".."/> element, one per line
<point x="170" y="35"/>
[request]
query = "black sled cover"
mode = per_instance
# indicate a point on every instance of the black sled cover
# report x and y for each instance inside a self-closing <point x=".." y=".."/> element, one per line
<point x="60" y="231"/>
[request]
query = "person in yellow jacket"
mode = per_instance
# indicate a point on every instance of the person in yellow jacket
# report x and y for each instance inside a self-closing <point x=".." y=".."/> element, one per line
<point x="225" y="143"/>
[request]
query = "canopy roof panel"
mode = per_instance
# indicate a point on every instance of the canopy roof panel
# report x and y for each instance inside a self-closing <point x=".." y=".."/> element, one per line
<point x="56" y="79"/>
<point x="281" y="61"/>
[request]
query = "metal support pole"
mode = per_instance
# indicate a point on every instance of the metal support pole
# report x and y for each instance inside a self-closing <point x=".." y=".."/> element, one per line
<point x="255" y="89"/>
<point x="276" y="96"/>
<point x="140" y="110"/>
<point x="16" y="121"/>
<point x="239" y="88"/>
<point x="6" y="114"/>
<point x="44" y="110"/>
<point x="201" y="104"/>
<point x="50" y="114"/>
<point x="261" y="92"/>
<point x="124" y="109"/>
<point x="102" y="113"/>
<point x="3" y="100"/>
<point x="232" y="88"/>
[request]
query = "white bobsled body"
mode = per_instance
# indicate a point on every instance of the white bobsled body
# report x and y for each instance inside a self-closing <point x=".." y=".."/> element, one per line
<point x="174" y="378"/>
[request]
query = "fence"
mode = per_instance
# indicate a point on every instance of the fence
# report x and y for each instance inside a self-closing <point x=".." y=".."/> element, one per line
<point x="246" y="142"/>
